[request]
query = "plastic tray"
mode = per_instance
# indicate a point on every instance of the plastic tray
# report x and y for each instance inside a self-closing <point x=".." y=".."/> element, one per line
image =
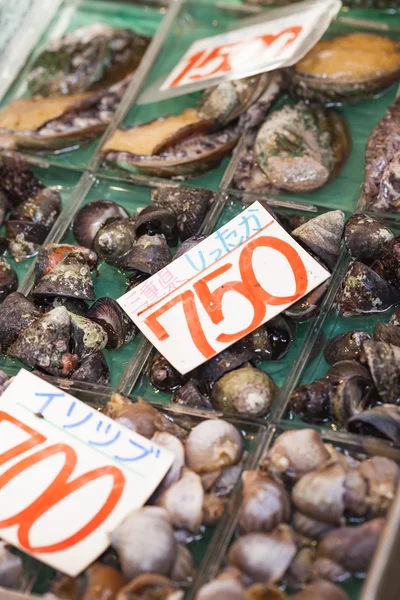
<point x="195" y="20"/>
<point x="142" y="17"/>
<point x="279" y="369"/>
<point x="38" y="576"/>
<point x="110" y="280"/>
<point x="357" y="589"/>
<point x="312" y="365"/>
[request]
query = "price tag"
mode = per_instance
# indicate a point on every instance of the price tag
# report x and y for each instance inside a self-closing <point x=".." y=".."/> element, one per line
<point x="247" y="272"/>
<point x="68" y="474"/>
<point x="278" y="39"/>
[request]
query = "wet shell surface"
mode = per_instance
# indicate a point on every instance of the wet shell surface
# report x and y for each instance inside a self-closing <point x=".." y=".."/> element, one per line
<point x="322" y="235"/>
<point x="347" y="68"/>
<point x="70" y="277"/>
<point x="294" y="148"/>
<point x="364" y="291"/>
<point x="382" y="170"/>
<point x="91" y="217"/>
<point x="246" y="391"/>
<point x="45" y="344"/>
<point x="88" y="58"/>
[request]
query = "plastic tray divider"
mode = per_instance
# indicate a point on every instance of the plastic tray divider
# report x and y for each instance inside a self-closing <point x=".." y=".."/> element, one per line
<point x="138" y="80"/>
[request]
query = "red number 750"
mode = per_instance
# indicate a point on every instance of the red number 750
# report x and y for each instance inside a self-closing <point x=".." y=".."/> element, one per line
<point x="248" y="286"/>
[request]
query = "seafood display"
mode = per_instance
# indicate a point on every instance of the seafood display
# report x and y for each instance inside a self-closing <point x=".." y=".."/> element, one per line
<point x="381" y="185"/>
<point x="175" y="526"/>
<point x="360" y="390"/>
<point x="245" y="377"/>
<point x="290" y="471"/>
<point x="197" y="139"/>
<point x="64" y="325"/>
<point x="75" y="86"/>
<point x="28" y="209"/>
<point x="347" y="68"/>
<point x="298" y="148"/>
<point x="310" y="520"/>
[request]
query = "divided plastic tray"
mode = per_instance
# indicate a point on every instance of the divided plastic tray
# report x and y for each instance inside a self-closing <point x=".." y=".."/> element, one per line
<point x="82" y="177"/>
<point x="378" y="578"/>
<point x="38" y="577"/>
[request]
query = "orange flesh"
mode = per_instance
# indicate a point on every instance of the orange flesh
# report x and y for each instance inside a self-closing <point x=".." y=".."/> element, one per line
<point x="143" y="140"/>
<point x="30" y="114"/>
<point x="357" y="55"/>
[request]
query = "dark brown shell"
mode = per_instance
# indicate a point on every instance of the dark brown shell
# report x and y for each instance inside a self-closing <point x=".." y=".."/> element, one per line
<point x="229" y="359"/>
<point x="115" y="240"/>
<point x="156" y="220"/>
<point x="382" y="148"/>
<point x="383" y="361"/>
<point x="385" y="332"/>
<point x="190" y="395"/>
<point x="17" y="179"/>
<point x="163" y="375"/>
<point x="93" y="369"/>
<point x="119" y="327"/>
<point x="312" y="402"/>
<point x="309" y="305"/>
<point x="8" y="279"/>
<point x="364" y="291"/>
<point x="381" y="421"/>
<point x="91" y="217"/>
<point x="350" y="398"/>
<point x="365" y="237"/>
<point x="43" y="208"/>
<point x="16" y="314"/>
<point x="45" y="344"/>
<point x="345" y="346"/>
<point x="389" y="260"/>
<point x="149" y="254"/>
<point x="70" y="277"/>
<point x="190" y="206"/>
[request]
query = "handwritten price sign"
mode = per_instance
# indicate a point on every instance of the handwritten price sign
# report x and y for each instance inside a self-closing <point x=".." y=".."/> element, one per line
<point x="68" y="474"/>
<point x="281" y="40"/>
<point x="225" y="287"/>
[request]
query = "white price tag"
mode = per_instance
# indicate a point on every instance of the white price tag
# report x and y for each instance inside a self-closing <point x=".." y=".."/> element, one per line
<point x="282" y="38"/>
<point x="246" y="273"/>
<point x="68" y="474"/>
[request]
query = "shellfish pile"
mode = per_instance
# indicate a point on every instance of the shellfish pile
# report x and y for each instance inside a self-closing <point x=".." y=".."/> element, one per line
<point x="361" y="391"/>
<point x="76" y="84"/>
<point x="310" y="519"/>
<point x="151" y="549"/>
<point x="234" y="380"/>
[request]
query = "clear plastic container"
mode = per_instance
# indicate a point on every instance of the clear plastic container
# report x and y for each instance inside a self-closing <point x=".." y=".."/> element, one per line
<point x="311" y="365"/>
<point x="279" y="370"/>
<point x="142" y="17"/>
<point x="357" y="588"/>
<point x="38" y="577"/>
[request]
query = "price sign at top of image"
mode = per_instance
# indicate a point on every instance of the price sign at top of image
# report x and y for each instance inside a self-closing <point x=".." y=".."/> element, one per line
<point x="68" y="474"/>
<point x="246" y="273"/>
<point x="280" y="40"/>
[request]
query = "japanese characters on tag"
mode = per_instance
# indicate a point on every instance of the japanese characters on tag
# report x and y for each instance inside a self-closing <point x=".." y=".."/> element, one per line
<point x="279" y="39"/>
<point x="68" y="474"/>
<point x="241" y="276"/>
